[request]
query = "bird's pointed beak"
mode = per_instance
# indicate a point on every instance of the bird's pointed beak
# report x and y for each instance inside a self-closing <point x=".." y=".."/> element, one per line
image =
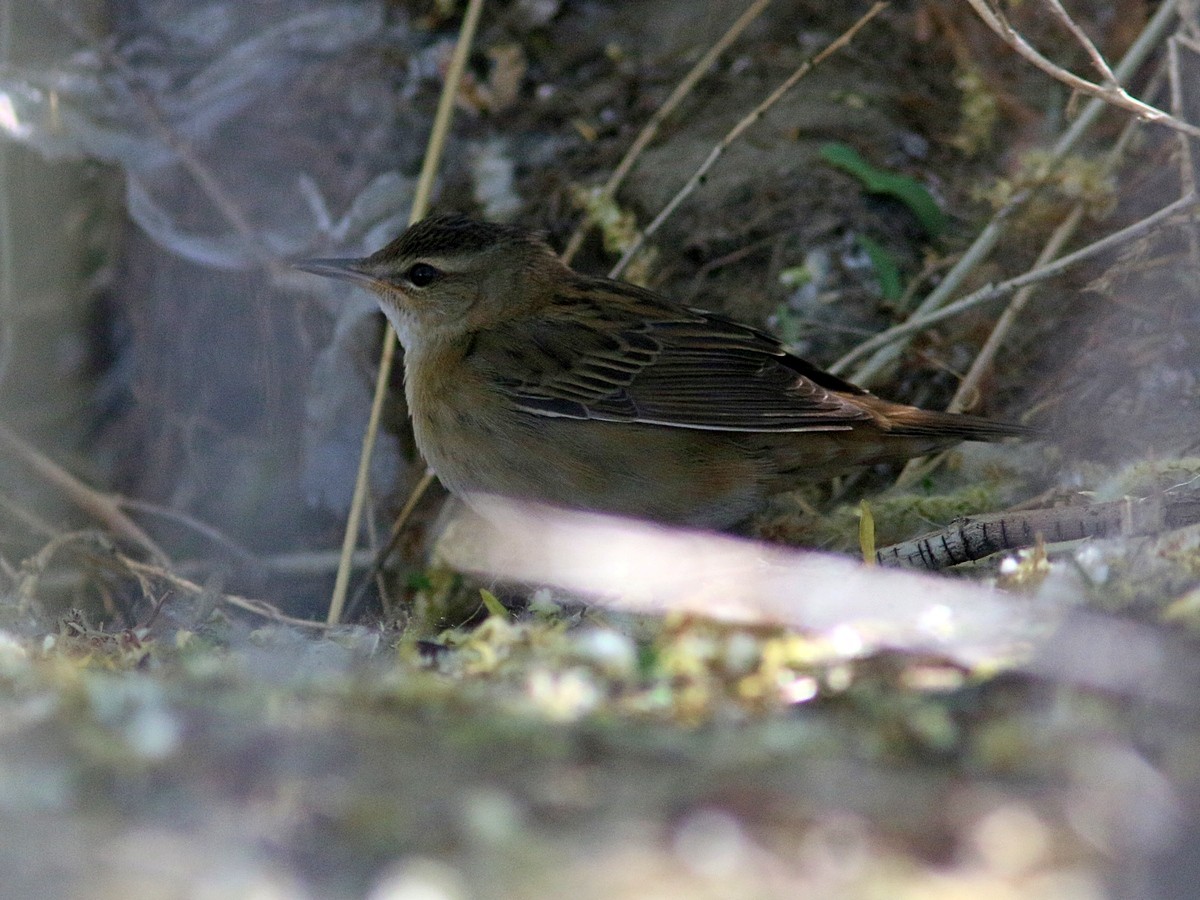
<point x="347" y="269"/>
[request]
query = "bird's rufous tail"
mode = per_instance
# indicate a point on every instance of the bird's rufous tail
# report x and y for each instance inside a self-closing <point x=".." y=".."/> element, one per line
<point x="909" y="421"/>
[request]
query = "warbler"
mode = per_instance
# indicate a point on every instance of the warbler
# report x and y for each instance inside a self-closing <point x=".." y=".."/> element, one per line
<point x="527" y="379"/>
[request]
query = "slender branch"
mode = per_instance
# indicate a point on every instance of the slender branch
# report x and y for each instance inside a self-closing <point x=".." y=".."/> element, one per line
<point x="89" y="500"/>
<point x="699" y="176"/>
<point x="302" y="564"/>
<point x="248" y="604"/>
<point x="989" y="237"/>
<point x="1054" y="246"/>
<point x="994" y="291"/>
<point x="969" y="386"/>
<point x="650" y="130"/>
<point x="1187" y="161"/>
<point x="1093" y="53"/>
<point x="433" y="154"/>
<point x="987" y="353"/>
<point x="1113" y="94"/>
<point x="921" y="466"/>
<point x="385" y="551"/>
<point x="213" y="534"/>
<point x="32" y="569"/>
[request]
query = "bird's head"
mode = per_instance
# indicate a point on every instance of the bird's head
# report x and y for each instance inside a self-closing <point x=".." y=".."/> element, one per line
<point x="450" y="274"/>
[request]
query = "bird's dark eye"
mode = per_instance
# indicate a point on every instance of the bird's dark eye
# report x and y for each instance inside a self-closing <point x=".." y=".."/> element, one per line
<point x="423" y="274"/>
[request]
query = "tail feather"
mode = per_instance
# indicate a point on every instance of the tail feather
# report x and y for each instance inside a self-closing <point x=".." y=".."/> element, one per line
<point x="909" y="421"/>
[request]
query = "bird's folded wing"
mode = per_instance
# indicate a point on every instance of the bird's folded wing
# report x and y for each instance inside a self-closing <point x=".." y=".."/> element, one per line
<point x="683" y="369"/>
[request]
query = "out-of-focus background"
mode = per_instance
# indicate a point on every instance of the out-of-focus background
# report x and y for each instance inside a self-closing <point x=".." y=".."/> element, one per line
<point x="181" y="415"/>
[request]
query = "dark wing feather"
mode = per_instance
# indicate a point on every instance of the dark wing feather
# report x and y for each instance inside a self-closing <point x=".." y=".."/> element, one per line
<point x="635" y="357"/>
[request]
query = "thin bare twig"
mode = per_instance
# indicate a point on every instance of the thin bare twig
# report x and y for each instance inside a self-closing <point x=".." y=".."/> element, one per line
<point x="920" y="466"/>
<point x="385" y="551"/>
<point x="994" y="291"/>
<point x="213" y="534"/>
<point x="247" y="604"/>
<point x="1093" y="53"/>
<point x="754" y="115"/>
<point x="1112" y="93"/>
<point x="89" y="500"/>
<point x="987" y="353"/>
<point x="1063" y="233"/>
<point x="1187" y="161"/>
<point x="989" y="237"/>
<point x="650" y="130"/>
<point x="301" y="564"/>
<point x="34" y="567"/>
<point x="969" y="386"/>
<point x="433" y="155"/>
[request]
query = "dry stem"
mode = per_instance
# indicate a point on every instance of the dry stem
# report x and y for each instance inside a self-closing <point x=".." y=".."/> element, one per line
<point x="1187" y="162"/>
<point x="433" y="154"/>
<point x="89" y="500"/>
<point x="754" y="115"/>
<point x="990" y="236"/>
<point x="650" y="130"/>
<point x="970" y="383"/>
<point x="385" y="551"/>
<point x="213" y="534"/>
<point x="1110" y="92"/>
<point x="994" y="291"/>
<point x="257" y="607"/>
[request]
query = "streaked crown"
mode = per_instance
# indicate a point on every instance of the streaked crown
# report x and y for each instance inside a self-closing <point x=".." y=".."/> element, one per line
<point x="449" y="235"/>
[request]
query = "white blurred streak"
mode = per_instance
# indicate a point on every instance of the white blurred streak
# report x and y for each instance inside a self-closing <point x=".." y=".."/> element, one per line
<point x="639" y="567"/>
<point x="9" y="122"/>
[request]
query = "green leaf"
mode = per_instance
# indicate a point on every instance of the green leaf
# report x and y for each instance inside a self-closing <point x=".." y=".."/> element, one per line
<point x="891" y="284"/>
<point x="492" y="603"/>
<point x="900" y="187"/>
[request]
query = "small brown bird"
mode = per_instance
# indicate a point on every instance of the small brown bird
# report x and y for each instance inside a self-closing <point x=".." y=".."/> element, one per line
<point x="527" y="379"/>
